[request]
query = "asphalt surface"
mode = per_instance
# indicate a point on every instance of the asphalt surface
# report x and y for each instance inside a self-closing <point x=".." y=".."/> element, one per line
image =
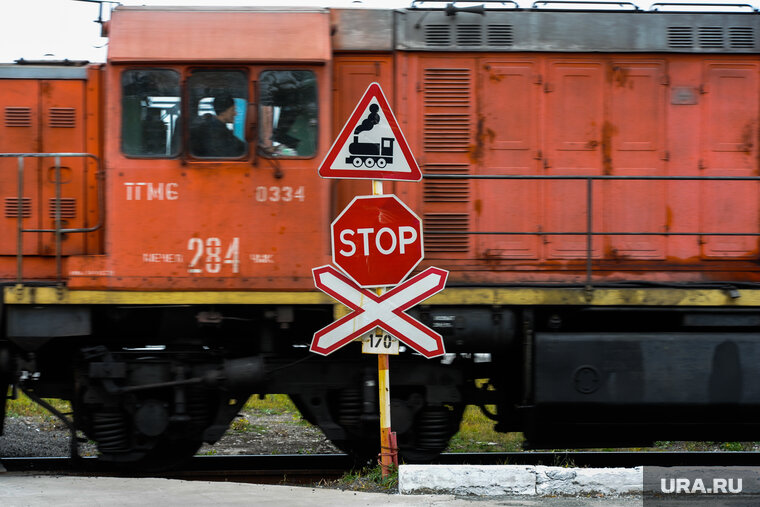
<point x="27" y="490"/>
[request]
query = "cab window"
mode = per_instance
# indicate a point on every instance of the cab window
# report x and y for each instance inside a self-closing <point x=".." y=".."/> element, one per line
<point x="150" y="113"/>
<point x="288" y="113"/>
<point x="218" y="102"/>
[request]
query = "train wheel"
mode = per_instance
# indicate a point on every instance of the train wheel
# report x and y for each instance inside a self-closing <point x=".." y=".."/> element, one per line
<point x="381" y="163"/>
<point x="430" y="434"/>
<point x="369" y="162"/>
<point x="146" y="433"/>
<point x="424" y="441"/>
<point x="422" y="431"/>
<point x="357" y="162"/>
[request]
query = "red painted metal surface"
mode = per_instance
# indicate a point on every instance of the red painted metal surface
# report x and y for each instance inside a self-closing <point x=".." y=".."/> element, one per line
<point x="213" y="35"/>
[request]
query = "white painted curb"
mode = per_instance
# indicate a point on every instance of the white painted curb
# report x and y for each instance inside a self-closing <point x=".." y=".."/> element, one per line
<point x="529" y="480"/>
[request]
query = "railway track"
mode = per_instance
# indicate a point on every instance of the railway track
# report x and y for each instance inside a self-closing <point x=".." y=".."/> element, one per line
<point x="310" y="469"/>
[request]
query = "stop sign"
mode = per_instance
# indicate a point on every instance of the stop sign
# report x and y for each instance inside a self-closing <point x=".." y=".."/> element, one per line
<point x="377" y="240"/>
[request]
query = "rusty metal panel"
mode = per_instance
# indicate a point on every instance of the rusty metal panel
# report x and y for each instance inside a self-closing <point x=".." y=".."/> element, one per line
<point x="574" y="116"/>
<point x="729" y="148"/>
<point x="633" y="144"/>
<point x="62" y="112"/>
<point x="19" y="133"/>
<point x="509" y="112"/>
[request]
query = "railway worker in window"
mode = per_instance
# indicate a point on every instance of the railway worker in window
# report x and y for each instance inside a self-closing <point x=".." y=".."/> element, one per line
<point x="288" y="113"/>
<point x="210" y="136"/>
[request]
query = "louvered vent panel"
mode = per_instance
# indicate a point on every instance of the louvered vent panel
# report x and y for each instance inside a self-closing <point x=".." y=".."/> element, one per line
<point x="68" y="207"/>
<point x="438" y="190"/>
<point x="62" y="117"/>
<point x="500" y="35"/>
<point x="680" y="37"/>
<point x="447" y="87"/>
<point x="452" y="225"/>
<point x="711" y="37"/>
<point x="11" y="207"/>
<point x="741" y="37"/>
<point x="438" y="35"/>
<point x="18" y="117"/>
<point x="447" y="91"/>
<point x="469" y="35"/>
<point x="447" y="132"/>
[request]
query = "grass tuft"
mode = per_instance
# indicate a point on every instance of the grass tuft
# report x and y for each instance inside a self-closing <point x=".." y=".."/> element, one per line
<point x="23" y="406"/>
<point x="476" y="434"/>
<point x="369" y="479"/>
<point x="271" y="404"/>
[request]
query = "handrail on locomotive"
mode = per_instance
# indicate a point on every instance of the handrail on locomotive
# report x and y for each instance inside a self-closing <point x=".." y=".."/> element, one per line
<point x="589" y="233"/>
<point x="59" y="230"/>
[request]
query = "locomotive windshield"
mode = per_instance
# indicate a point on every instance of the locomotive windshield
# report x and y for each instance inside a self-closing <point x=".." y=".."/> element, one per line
<point x="215" y="113"/>
<point x="218" y="105"/>
<point x="150" y="109"/>
<point x="288" y="113"/>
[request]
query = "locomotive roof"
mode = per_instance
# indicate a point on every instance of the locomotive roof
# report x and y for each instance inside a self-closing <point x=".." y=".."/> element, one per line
<point x="43" y="70"/>
<point x="579" y="31"/>
<point x="235" y="34"/>
<point x="309" y="34"/>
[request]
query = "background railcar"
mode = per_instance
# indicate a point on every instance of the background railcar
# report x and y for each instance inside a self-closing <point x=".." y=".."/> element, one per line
<point x="591" y="182"/>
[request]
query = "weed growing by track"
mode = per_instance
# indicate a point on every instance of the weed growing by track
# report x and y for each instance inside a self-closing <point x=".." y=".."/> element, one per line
<point x="25" y="407"/>
<point x="367" y="479"/>
<point x="476" y="434"/>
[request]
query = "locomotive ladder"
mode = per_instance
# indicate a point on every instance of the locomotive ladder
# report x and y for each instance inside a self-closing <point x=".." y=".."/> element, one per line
<point x="58" y="231"/>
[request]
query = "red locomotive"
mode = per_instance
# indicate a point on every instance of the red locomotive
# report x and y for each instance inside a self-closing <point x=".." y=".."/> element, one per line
<point x="591" y="182"/>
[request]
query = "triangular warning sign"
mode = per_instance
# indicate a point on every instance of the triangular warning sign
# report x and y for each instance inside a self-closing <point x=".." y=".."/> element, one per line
<point x="371" y="145"/>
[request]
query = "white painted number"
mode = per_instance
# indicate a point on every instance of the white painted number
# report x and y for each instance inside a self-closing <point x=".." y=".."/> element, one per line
<point x="232" y="257"/>
<point x="212" y="249"/>
<point x="280" y="194"/>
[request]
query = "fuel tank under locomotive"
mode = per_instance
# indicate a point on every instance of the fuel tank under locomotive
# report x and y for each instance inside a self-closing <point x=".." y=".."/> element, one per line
<point x="632" y="376"/>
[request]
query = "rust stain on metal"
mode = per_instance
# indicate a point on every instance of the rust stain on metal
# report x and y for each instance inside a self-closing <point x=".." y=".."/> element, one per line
<point x="747" y="135"/>
<point x="608" y="130"/>
<point x="476" y="150"/>
<point x="492" y="76"/>
<point x="478" y="205"/>
<point x="619" y="77"/>
<point x="668" y="218"/>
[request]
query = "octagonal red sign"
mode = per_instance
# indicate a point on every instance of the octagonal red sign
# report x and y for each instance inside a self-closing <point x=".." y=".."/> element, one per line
<point x="377" y="240"/>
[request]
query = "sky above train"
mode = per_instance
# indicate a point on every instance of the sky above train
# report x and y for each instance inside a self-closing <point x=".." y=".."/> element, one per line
<point x="66" y="29"/>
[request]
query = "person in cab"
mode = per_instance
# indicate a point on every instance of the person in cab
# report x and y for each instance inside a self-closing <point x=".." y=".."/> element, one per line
<point x="210" y="135"/>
